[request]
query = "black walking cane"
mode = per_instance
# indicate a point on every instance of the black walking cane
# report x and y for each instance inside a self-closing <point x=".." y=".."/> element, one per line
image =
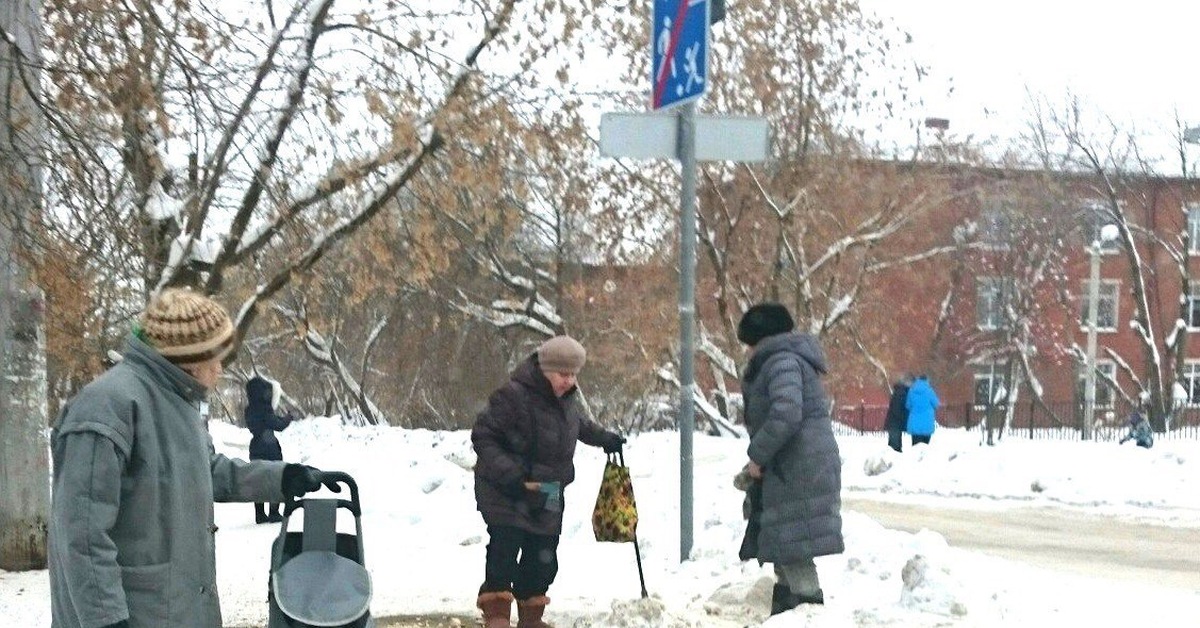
<point x="637" y="551"/>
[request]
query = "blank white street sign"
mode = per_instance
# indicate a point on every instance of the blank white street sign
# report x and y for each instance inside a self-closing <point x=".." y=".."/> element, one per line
<point x="655" y="136"/>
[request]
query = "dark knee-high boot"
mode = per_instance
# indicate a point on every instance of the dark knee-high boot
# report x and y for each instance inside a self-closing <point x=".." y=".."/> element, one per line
<point x="783" y="600"/>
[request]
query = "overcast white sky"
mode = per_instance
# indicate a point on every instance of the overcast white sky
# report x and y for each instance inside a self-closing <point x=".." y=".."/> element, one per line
<point x="1134" y="61"/>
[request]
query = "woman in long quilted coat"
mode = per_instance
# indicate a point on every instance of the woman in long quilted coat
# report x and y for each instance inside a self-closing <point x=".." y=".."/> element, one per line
<point x="793" y="454"/>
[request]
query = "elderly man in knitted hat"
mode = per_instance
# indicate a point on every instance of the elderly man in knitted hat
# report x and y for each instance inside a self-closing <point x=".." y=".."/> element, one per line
<point x="135" y="477"/>
<point x="525" y="441"/>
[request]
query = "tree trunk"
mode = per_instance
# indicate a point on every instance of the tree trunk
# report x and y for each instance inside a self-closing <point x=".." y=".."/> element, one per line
<point x="24" y="460"/>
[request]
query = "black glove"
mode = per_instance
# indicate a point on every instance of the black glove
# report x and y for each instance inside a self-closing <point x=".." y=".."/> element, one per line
<point x="299" y="479"/>
<point x="612" y="442"/>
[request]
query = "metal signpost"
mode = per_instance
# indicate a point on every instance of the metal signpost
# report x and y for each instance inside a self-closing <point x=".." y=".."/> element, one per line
<point x="679" y="72"/>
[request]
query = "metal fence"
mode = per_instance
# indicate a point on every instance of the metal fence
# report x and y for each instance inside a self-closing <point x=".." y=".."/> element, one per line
<point x="1032" y="420"/>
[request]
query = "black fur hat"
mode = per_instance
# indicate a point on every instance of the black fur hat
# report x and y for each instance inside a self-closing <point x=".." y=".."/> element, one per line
<point x="762" y="320"/>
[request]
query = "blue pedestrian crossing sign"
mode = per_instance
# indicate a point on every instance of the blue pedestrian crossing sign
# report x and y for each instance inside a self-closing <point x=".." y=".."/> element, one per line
<point x="678" y="52"/>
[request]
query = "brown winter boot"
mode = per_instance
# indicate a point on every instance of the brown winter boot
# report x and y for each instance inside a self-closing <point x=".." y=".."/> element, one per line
<point x="529" y="612"/>
<point x="497" y="608"/>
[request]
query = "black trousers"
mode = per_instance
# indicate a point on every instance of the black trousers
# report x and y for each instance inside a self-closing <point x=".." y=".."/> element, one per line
<point x="264" y="512"/>
<point x="921" y="439"/>
<point x="896" y="439"/>
<point x="528" y="575"/>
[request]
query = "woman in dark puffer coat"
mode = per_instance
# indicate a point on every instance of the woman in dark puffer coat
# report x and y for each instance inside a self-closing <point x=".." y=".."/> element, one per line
<point x="263" y="422"/>
<point x="793" y="454"/>
<point x="525" y="443"/>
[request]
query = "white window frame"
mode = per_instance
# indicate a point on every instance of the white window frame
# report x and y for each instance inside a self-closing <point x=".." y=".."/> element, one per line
<point x="1193" y="227"/>
<point x="1192" y="302"/>
<point x="995" y="224"/>
<point x="1191" y="382"/>
<point x="992" y="373"/>
<point x="1106" y="285"/>
<point x="1105" y="396"/>
<point x="992" y="289"/>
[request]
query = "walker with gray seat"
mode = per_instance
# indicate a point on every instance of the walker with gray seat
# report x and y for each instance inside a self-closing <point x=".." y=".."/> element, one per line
<point x="318" y="575"/>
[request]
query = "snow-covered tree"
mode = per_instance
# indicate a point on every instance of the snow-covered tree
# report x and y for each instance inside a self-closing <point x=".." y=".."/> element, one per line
<point x="1129" y="191"/>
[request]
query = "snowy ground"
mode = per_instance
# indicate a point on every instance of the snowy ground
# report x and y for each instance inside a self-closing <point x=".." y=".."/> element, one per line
<point x="425" y="542"/>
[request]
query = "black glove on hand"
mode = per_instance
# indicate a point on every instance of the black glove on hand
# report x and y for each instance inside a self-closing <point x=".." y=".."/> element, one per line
<point x="612" y="442"/>
<point x="299" y="479"/>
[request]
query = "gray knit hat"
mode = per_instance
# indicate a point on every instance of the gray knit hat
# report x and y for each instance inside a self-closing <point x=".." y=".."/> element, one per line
<point x="186" y="327"/>
<point x="561" y="354"/>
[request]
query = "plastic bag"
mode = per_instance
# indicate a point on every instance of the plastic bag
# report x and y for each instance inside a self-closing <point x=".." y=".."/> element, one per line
<point x="615" y="517"/>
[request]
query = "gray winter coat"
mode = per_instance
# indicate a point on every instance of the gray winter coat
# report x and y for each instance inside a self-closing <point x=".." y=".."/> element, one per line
<point x="135" y="477"/>
<point x="791" y="438"/>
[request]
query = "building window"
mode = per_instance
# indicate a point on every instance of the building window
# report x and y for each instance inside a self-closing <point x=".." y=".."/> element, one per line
<point x="1193" y="305"/>
<point x="1191" y="382"/>
<point x="989" y="380"/>
<point x="989" y="313"/>
<point x="1106" y="371"/>
<point x="995" y="223"/>
<point x="1094" y="214"/>
<point x="1193" y="214"/>
<point x="1106" y="315"/>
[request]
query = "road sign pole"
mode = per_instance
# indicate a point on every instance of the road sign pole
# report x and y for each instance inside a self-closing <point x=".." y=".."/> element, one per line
<point x="687" y="320"/>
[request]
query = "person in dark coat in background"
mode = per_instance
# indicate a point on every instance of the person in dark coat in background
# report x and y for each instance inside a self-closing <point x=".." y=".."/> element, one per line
<point x="525" y="442"/>
<point x="793" y="455"/>
<point x="263" y="422"/>
<point x="922" y="404"/>
<point x="897" y="414"/>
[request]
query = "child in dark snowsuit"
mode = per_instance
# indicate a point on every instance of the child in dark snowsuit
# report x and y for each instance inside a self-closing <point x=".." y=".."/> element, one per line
<point x="263" y="422"/>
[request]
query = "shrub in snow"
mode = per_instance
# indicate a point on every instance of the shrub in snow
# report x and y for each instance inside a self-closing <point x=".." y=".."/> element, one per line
<point x="876" y="465"/>
<point x="1037" y="486"/>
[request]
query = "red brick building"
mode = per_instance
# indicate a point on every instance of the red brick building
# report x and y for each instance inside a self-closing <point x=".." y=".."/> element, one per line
<point x="1009" y="306"/>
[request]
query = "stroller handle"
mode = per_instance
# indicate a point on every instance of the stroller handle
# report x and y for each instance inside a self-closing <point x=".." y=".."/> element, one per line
<point x="340" y="477"/>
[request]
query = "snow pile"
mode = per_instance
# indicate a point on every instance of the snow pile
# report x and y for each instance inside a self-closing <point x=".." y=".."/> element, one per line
<point x="425" y="543"/>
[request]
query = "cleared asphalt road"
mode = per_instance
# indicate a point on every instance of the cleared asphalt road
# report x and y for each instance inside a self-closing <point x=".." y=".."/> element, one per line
<point x="1076" y="542"/>
<point x="1071" y="541"/>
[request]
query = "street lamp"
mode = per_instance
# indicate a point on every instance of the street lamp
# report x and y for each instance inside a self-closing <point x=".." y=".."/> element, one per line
<point x="1107" y="233"/>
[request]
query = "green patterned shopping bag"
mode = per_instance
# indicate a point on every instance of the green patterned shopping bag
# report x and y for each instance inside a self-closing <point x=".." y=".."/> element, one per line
<point x="615" y="516"/>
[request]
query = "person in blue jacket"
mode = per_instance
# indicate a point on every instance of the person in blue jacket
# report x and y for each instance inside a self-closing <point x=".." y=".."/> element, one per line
<point x="263" y="421"/>
<point x="922" y="403"/>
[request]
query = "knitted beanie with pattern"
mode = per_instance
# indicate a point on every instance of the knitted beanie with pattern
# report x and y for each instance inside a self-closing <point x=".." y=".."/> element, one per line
<point x="186" y="327"/>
